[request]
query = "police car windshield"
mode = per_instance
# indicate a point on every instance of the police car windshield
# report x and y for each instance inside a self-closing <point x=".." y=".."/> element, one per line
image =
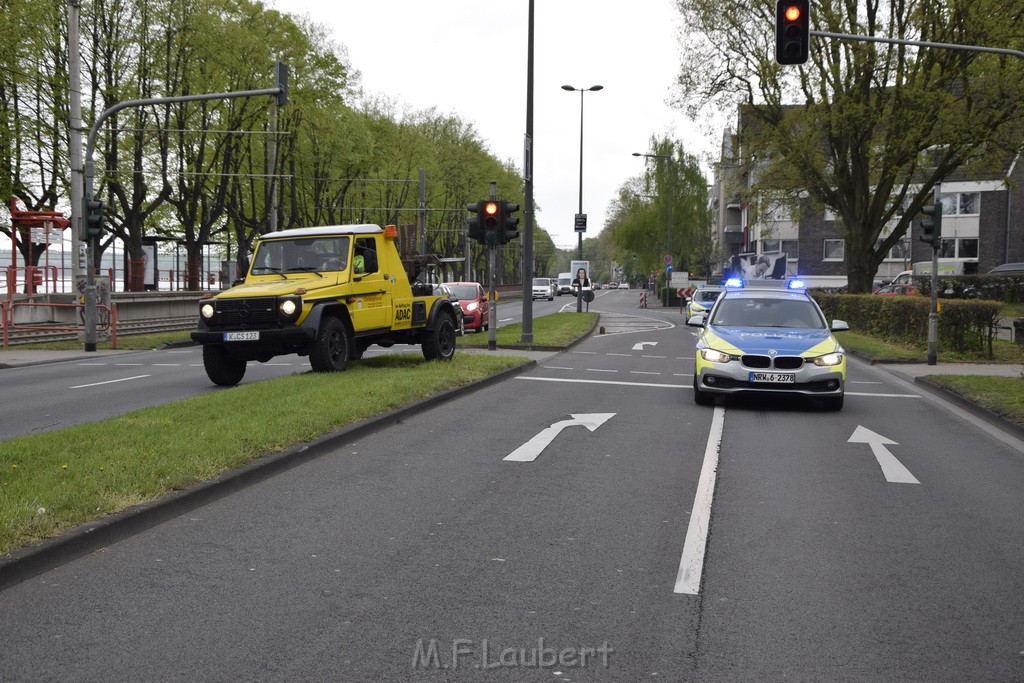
<point x="768" y="312"/>
<point x="706" y="295"/>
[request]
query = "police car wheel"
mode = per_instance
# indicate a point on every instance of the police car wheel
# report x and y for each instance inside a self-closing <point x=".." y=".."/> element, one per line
<point x="330" y="352"/>
<point x="832" y="403"/>
<point x="701" y="398"/>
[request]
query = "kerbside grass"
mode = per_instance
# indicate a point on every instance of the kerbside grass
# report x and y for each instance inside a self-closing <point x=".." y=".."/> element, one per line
<point x="54" y="481"/>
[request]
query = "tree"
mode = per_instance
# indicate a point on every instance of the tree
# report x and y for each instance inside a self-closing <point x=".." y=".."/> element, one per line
<point x="866" y="129"/>
<point x="638" y="222"/>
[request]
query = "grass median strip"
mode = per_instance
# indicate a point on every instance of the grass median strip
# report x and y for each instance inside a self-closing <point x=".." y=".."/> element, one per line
<point x="55" y="481"/>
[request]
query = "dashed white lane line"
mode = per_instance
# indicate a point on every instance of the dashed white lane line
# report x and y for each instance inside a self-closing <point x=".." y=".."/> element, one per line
<point x="111" y="381"/>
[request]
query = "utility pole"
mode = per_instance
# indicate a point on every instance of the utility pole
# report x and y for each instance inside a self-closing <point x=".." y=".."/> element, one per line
<point x="78" y="260"/>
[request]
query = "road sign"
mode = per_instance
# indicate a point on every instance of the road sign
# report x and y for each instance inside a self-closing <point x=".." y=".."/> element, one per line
<point x="581" y="222"/>
<point x="668" y="269"/>
<point x="668" y="258"/>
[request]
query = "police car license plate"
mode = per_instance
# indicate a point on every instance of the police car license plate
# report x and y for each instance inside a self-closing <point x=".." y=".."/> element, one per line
<point x="773" y="377"/>
<point x="241" y="336"/>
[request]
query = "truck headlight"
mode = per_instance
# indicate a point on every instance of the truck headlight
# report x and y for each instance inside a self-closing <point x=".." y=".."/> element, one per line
<point x="288" y="308"/>
<point x="207" y="310"/>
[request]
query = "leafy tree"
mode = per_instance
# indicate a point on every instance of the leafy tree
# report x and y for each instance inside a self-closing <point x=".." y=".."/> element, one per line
<point x="864" y="128"/>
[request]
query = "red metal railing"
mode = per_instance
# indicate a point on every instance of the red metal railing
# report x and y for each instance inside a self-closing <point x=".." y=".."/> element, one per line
<point x="106" y="319"/>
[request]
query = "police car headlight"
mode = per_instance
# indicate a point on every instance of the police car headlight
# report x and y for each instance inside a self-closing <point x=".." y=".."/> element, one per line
<point x="207" y="310"/>
<point x="288" y="308"/>
<point x="713" y="356"/>
<point x="828" y="360"/>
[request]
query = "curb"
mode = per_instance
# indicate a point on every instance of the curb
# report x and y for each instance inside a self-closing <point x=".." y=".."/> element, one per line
<point x="1000" y="421"/>
<point x="24" y="563"/>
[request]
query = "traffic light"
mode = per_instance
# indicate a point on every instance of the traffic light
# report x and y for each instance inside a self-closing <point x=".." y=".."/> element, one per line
<point x="509" y="222"/>
<point x="931" y="228"/>
<point x="475" y="221"/>
<point x="792" y="31"/>
<point x="281" y="81"/>
<point x="490" y="218"/>
<point x="93" y="217"/>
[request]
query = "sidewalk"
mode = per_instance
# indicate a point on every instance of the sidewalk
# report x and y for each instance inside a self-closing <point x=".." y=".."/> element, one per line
<point x="15" y="358"/>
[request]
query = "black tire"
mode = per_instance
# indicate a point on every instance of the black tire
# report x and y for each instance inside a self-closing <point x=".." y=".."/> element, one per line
<point x="439" y="343"/>
<point x="222" y="368"/>
<point x="833" y="402"/>
<point x="358" y="349"/>
<point x="551" y="298"/>
<point x="701" y="398"/>
<point x="330" y="352"/>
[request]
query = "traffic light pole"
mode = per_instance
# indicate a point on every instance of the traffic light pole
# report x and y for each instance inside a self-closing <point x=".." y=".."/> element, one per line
<point x="92" y="241"/>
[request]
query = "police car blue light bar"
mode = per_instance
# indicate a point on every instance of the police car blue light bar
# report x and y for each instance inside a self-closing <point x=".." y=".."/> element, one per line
<point x="734" y="282"/>
<point x="796" y="284"/>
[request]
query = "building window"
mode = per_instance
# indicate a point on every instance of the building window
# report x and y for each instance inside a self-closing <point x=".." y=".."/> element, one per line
<point x="830" y="213"/>
<point x="963" y="247"/>
<point x="834" y="250"/>
<point x="960" y="203"/>
<point x="769" y="246"/>
<point x="792" y="249"/>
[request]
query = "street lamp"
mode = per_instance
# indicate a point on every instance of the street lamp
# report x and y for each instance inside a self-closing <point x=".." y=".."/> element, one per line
<point x="569" y="88"/>
<point x="668" y="235"/>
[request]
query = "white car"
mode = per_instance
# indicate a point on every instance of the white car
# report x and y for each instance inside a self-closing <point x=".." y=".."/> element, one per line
<point x="623" y="285"/>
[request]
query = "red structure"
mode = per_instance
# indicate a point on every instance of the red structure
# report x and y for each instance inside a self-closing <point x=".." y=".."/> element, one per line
<point x="22" y="222"/>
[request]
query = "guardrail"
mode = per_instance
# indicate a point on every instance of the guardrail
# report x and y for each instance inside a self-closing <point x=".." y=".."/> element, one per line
<point x="106" y="321"/>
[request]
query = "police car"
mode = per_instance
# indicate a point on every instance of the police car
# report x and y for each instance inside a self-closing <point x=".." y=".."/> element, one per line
<point x="702" y="300"/>
<point x="759" y="339"/>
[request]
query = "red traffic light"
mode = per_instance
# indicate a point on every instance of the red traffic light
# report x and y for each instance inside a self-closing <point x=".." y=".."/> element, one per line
<point x="792" y="13"/>
<point x="491" y="208"/>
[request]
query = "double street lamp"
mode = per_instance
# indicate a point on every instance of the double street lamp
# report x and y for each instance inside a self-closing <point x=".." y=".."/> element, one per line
<point x="579" y="214"/>
<point x="668" y="234"/>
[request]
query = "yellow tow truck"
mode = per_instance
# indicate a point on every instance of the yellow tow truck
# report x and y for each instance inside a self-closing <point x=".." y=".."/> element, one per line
<point x="327" y="293"/>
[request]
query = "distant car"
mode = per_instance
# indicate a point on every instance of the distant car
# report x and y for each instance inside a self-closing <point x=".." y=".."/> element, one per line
<point x="770" y="341"/>
<point x="623" y="285"/>
<point x="702" y="299"/>
<point x="1008" y="269"/>
<point x="475" y="306"/>
<point x="898" y="290"/>
<point x="444" y="290"/>
<point x="543" y="288"/>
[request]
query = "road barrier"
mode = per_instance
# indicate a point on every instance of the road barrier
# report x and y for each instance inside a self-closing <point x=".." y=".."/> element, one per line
<point x="106" y="318"/>
<point x="643" y="299"/>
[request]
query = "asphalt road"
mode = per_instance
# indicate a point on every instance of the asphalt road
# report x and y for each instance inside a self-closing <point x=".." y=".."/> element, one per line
<point x="421" y="552"/>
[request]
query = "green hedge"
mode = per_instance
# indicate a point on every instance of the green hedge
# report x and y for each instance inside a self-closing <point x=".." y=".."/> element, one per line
<point x="964" y="325"/>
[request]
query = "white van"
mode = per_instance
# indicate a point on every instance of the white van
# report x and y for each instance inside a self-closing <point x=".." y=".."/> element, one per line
<point x="543" y="288"/>
<point x="564" y="284"/>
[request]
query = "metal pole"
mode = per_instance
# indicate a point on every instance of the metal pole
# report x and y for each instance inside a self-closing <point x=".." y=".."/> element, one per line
<point x="78" y="263"/>
<point x="528" y="266"/>
<point x="668" y="238"/>
<point x="933" y="311"/>
<point x="579" y="233"/>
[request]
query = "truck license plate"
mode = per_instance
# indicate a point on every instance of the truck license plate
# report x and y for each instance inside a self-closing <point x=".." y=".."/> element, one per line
<point x="241" y="336"/>
<point x="773" y="377"/>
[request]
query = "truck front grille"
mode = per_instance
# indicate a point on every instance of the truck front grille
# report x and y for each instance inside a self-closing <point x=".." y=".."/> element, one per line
<point x="245" y="314"/>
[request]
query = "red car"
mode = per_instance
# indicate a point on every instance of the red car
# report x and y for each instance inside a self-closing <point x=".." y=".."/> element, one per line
<point x="475" y="306"/>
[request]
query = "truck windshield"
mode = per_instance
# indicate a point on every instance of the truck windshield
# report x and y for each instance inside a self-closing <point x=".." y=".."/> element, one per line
<point x="306" y="254"/>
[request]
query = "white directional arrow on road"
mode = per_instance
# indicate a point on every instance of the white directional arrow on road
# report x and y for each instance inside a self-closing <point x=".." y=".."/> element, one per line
<point x="640" y="346"/>
<point x="893" y="469"/>
<point x="529" y="451"/>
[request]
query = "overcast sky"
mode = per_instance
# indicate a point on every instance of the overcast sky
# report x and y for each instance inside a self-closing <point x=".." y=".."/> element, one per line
<point x="469" y="58"/>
